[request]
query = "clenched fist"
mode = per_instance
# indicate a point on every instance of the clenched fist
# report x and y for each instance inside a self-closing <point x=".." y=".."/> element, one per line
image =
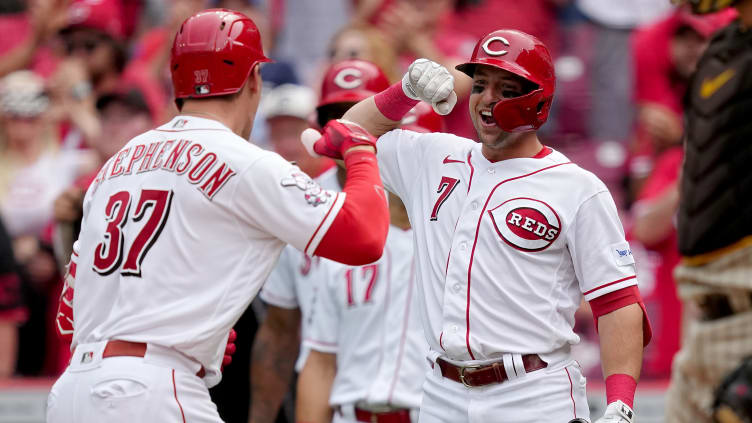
<point x="429" y="81"/>
<point x="338" y="137"/>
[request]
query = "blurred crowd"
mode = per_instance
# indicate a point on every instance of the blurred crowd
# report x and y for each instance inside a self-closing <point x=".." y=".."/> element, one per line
<point x="79" y="78"/>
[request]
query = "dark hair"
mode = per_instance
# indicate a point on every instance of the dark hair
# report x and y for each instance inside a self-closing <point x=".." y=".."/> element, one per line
<point x="133" y="99"/>
<point x="119" y="48"/>
<point x="331" y="111"/>
<point x="460" y="5"/>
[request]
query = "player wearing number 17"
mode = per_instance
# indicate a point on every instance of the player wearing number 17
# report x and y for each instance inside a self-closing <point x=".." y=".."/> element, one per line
<point x="510" y="235"/>
<point x="182" y="226"/>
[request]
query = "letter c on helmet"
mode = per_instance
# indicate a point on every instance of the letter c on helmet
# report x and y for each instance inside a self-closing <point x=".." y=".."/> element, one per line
<point x="490" y="52"/>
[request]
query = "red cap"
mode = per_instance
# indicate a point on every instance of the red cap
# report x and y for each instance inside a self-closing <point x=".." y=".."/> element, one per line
<point x="422" y="118"/>
<point x="350" y="81"/>
<point x="707" y="24"/>
<point x="102" y="15"/>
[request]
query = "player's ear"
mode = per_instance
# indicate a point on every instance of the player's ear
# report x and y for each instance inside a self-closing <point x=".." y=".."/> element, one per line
<point x="254" y="79"/>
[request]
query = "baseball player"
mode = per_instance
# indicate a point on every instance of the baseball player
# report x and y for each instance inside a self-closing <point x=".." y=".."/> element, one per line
<point x="367" y="349"/>
<point x="714" y="277"/>
<point x="182" y="226"/>
<point x="292" y="288"/>
<point x="510" y="235"/>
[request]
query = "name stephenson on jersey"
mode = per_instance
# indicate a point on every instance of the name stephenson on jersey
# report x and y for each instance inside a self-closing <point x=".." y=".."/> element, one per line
<point x="180" y="229"/>
<point x="505" y="250"/>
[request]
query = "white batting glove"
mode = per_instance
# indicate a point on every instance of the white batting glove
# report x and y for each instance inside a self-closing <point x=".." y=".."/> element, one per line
<point x="617" y="412"/>
<point x="429" y="81"/>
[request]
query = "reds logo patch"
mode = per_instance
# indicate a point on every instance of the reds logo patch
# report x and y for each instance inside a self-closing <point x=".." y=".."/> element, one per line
<point x="313" y="193"/>
<point x="526" y="224"/>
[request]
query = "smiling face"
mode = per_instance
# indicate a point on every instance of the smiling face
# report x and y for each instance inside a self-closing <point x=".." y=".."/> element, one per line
<point x="490" y="85"/>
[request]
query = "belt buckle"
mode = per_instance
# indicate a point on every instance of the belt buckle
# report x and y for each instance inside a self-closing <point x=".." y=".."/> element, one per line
<point x="462" y="374"/>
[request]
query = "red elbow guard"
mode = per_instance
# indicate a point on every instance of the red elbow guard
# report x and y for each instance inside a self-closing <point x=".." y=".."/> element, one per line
<point x="621" y="298"/>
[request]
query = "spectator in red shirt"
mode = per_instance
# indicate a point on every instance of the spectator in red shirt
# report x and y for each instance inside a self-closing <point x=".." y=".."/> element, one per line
<point x="654" y="227"/>
<point x="665" y="55"/>
<point x="364" y="41"/>
<point x="422" y="28"/>
<point x="33" y="171"/>
<point x="124" y="114"/>
<point x="536" y="17"/>
<point x="26" y="36"/>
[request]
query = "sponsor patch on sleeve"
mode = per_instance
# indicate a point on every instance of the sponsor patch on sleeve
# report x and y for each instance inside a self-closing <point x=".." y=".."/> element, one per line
<point x="312" y="192"/>
<point x="622" y="253"/>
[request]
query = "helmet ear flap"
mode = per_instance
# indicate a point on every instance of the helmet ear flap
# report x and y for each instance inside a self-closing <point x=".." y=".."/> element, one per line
<point x="523" y="113"/>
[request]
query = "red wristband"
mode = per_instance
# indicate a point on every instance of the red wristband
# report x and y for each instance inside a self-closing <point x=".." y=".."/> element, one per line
<point x="620" y="387"/>
<point x="393" y="103"/>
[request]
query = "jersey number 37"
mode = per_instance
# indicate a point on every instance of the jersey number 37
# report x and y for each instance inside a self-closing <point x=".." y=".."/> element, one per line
<point x="109" y="253"/>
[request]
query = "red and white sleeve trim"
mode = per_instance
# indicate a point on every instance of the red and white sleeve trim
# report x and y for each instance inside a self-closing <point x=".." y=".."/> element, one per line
<point x="610" y="287"/>
<point x="278" y="301"/>
<point x="323" y="227"/>
<point x="321" y="346"/>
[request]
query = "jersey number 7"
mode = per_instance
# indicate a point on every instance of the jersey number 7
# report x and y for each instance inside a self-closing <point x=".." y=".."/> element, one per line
<point x="446" y="186"/>
<point x="109" y="253"/>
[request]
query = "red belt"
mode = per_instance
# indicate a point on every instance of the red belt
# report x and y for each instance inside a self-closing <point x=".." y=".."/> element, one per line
<point x="487" y="374"/>
<point x="394" y="416"/>
<point x="119" y="348"/>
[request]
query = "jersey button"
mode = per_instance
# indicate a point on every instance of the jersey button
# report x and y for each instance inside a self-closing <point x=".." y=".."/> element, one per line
<point x="491" y="171"/>
<point x="463" y="246"/>
<point x="457" y="287"/>
<point x="455" y="329"/>
<point x="474" y="205"/>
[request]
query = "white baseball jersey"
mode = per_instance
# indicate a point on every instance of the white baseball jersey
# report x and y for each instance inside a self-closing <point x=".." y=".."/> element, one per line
<point x="505" y="250"/>
<point x="294" y="282"/>
<point x="367" y="316"/>
<point x="180" y="230"/>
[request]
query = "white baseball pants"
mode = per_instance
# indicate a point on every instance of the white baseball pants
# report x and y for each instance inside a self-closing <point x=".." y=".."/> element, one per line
<point x="555" y="394"/>
<point x="128" y="390"/>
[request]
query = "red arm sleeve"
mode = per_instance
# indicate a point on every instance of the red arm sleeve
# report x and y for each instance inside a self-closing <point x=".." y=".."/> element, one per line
<point x="358" y="233"/>
<point x="621" y="298"/>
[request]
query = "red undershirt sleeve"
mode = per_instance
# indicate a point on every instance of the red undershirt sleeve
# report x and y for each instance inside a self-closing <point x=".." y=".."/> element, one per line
<point x="358" y="232"/>
<point x="621" y="298"/>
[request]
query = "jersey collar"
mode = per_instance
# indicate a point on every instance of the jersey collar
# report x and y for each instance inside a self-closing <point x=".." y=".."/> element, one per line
<point x="188" y="123"/>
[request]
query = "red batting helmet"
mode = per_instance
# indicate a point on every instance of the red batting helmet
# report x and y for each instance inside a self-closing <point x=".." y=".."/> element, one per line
<point x="350" y="81"/>
<point x="525" y="56"/>
<point x="213" y="53"/>
<point x="422" y="118"/>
